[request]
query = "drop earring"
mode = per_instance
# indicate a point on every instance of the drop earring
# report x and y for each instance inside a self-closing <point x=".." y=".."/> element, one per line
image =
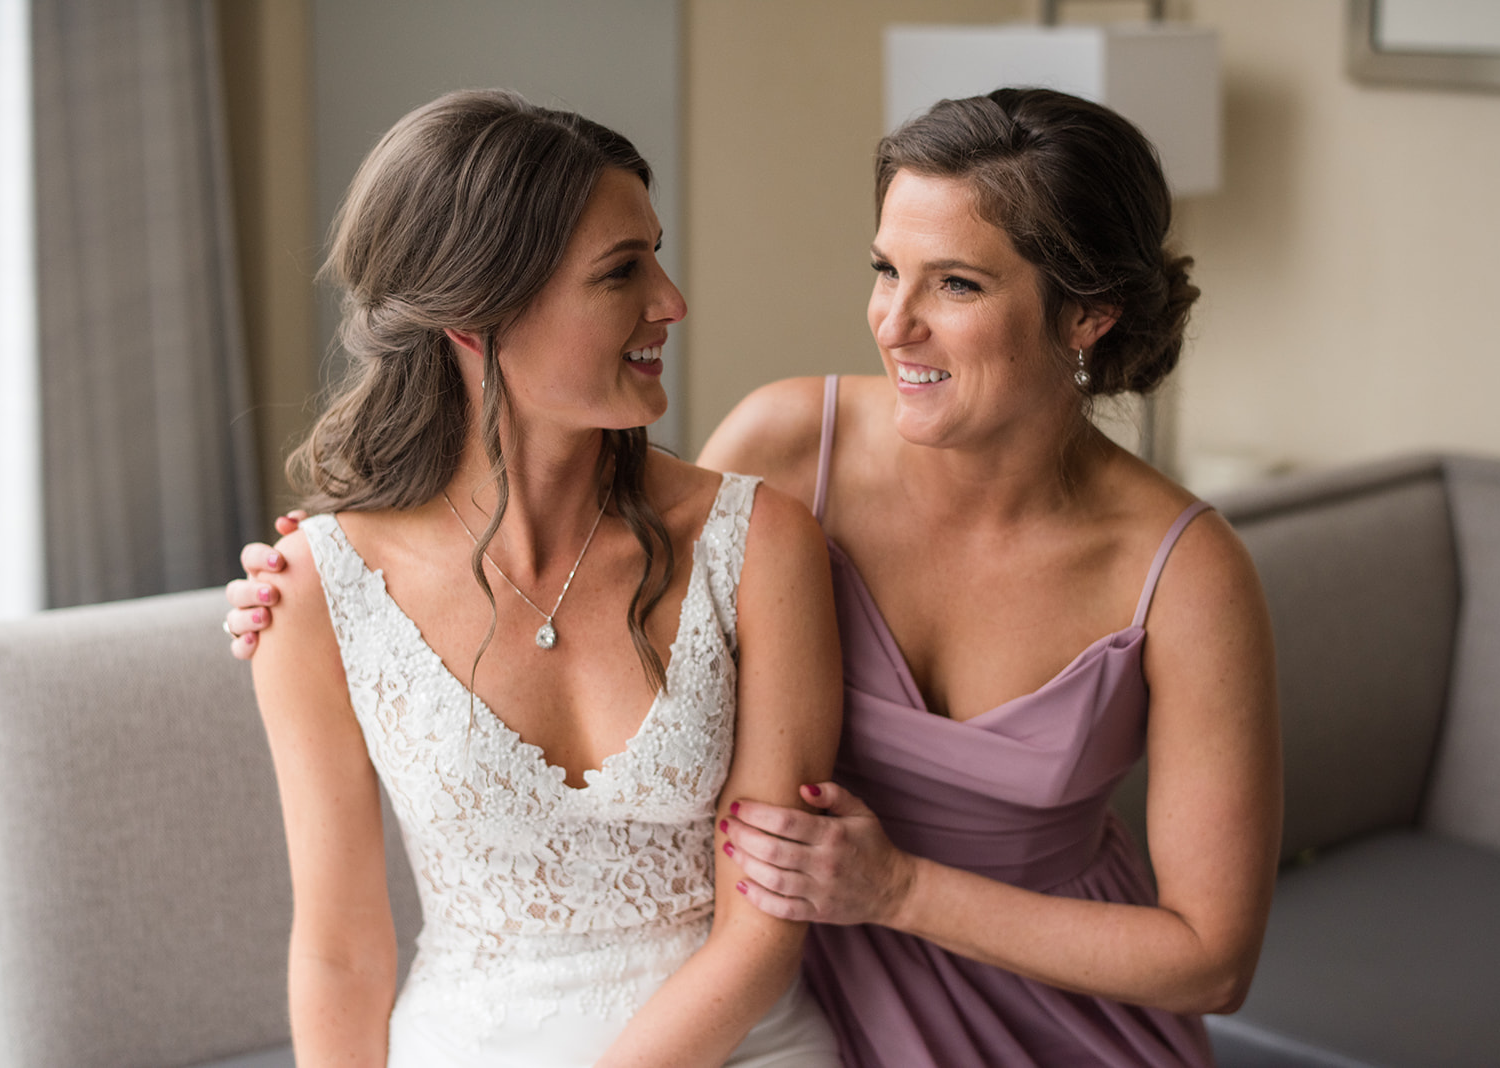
<point x="1082" y="376"/>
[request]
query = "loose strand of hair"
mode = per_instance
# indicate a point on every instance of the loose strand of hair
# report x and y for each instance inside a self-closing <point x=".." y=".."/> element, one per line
<point x="630" y="449"/>
<point x="492" y="402"/>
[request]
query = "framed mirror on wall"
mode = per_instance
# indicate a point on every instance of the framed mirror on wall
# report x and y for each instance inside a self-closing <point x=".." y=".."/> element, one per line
<point x="1442" y="43"/>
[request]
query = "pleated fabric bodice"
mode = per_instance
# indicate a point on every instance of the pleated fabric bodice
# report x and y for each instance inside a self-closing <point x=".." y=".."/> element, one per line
<point x="1020" y="794"/>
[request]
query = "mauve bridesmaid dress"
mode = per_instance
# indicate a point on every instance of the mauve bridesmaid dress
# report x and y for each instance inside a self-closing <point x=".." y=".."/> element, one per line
<point x="1019" y="793"/>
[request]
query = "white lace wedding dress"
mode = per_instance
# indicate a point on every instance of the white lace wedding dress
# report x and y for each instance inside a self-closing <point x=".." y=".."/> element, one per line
<point x="552" y="912"/>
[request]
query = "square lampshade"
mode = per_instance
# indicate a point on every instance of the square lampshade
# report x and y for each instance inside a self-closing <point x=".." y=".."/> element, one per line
<point x="1162" y="77"/>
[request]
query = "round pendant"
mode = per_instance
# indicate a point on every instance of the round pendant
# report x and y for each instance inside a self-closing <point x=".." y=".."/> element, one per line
<point x="546" y="636"/>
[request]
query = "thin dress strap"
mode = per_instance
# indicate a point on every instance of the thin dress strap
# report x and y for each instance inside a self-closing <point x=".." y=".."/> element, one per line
<point x="1188" y="514"/>
<point x="825" y="444"/>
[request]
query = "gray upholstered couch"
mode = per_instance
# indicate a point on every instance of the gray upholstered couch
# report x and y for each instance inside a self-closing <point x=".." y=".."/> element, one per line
<point x="144" y="901"/>
<point x="144" y="896"/>
<point x="1384" y="942"/>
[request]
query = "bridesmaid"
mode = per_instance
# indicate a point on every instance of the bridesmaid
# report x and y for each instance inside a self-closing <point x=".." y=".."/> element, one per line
<point x="1025" y="609"/>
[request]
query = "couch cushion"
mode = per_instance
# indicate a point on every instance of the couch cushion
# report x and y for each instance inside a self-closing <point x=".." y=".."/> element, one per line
<point x="143" y="876"/>
<point x="1358" y="568"/>
<point x="1464" y="798"/>
<point x="276" y="1057"/>
<point x="1387" y="952"/>
<point x="142" y="871"/>
<point x="1238" y="1044"/>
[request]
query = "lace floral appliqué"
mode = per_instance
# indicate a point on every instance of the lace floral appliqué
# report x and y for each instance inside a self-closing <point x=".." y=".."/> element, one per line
<point x="535" y="893"/>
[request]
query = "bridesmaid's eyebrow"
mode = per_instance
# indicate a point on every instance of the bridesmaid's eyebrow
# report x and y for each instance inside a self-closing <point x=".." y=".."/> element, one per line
<point x="949" y="264"/>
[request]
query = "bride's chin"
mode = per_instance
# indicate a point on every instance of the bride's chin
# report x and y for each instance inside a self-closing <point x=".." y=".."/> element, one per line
<point x="638" y="415"/>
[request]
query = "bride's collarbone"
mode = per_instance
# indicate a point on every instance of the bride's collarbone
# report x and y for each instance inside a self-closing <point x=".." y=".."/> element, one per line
<point x="586" y="696"/>
<point x="590" y="679"/>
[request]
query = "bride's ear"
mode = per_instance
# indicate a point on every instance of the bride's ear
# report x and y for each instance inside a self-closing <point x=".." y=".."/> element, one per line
<point x="469" y="342"/>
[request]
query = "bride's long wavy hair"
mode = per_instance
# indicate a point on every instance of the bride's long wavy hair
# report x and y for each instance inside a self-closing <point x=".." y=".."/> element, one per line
<point x="456" y="220"/>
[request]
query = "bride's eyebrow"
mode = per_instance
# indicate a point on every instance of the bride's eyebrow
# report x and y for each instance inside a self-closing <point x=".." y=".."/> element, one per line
<point x="629" y="244"/>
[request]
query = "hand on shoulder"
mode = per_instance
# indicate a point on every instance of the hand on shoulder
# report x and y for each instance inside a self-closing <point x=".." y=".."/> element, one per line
<point x="251" y="598"/>
<point x="301" y="611"/>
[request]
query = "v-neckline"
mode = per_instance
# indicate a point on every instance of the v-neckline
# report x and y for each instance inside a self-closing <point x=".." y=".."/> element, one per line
<point x="908" y="680"/>
<point x="506" y="732"/>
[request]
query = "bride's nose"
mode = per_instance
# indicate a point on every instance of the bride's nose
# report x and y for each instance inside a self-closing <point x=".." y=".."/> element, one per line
<point x="667" y="304"/>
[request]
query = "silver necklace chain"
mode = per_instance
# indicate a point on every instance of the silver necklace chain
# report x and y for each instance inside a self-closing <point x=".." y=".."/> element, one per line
<point x="546" y="634"/>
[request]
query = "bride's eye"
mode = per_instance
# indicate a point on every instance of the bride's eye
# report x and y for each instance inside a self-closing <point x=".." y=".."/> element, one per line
<point x="623" y="272"/>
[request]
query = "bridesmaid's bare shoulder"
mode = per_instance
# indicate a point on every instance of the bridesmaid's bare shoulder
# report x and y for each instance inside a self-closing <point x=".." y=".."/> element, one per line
<point x="866" y="404"/>
<point x="773" y="433"/>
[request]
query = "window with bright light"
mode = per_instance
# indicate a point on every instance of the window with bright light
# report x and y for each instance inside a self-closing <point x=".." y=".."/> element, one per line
<point x="22" y="578"/>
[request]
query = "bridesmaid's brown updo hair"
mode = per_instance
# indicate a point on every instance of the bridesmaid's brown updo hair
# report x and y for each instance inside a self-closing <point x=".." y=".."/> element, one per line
<point x="1080" y="193"/>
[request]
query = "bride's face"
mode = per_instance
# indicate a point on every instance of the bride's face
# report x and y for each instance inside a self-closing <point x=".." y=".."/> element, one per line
<point x="587" y="352"/>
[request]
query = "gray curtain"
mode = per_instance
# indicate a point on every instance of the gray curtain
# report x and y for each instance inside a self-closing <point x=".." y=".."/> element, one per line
<point x="147" y="444"/>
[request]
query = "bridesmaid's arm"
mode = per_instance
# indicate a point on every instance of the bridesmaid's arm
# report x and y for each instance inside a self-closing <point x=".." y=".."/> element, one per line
<point x="786" y="731"/>
<point x="1213" y="817"/>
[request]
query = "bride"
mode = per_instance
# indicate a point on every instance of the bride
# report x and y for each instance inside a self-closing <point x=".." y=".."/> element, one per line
<point x="555" y="740"/>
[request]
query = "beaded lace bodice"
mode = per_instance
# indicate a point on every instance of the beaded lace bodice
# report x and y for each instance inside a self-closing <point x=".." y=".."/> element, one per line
<point x="532" y="890"/>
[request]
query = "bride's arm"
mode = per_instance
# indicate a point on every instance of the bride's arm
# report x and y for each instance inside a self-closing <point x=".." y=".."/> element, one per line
<point x="341" y="969"/>
<point x="786" y="734"/>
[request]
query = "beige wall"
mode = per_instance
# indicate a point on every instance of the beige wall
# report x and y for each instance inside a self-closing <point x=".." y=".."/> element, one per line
<point x="1348" y="262"/>
<point x="1351" y="259"/>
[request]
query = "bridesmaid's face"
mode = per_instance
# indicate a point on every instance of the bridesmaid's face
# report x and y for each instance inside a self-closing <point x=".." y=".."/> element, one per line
<point x="958" y="316"/>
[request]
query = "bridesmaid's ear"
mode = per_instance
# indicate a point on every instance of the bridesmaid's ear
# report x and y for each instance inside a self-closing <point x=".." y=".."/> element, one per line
<point x="1085" y="326"/>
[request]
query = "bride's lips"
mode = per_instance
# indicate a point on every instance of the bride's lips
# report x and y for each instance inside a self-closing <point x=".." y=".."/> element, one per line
<point x="646" y="359"/>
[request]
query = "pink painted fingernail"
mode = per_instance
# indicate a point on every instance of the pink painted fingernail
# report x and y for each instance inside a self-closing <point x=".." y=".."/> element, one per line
<point x="257" y="617"/>
<point x="729" y="849"/>
<point x="724" y="826"/>
<point x="249" y="637"/>
<point x="264" y="594"/>
<point x="814" y="789"/>
<point x="742" y="888"/>
<point x="734" y="809"/>
<point x="273" y="559"/>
